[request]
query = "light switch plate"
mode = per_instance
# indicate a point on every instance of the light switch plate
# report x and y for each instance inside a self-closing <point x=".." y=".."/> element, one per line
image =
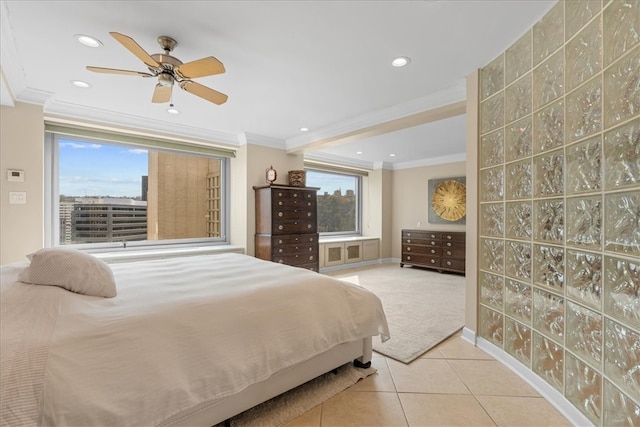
<point x="17" y="197"/>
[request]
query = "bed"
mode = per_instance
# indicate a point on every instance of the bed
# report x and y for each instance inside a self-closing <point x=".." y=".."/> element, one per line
<point x="186" y="341"/>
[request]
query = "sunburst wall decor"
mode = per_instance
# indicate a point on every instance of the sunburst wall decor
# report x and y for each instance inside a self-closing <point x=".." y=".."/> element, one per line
<point x="448" y="201"/>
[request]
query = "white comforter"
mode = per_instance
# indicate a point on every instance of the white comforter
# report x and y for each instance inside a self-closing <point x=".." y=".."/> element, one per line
<point x="179" y="333"/>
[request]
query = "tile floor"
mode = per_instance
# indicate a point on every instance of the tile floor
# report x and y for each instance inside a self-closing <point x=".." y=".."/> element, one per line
<point x="454" y="384"/>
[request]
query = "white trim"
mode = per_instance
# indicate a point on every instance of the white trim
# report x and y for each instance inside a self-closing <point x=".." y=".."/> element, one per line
<point x="553" y="396"/>
<point x="332" y="158"/>
<point x="461" y="157"/>
<point x="469" y="335"/>
<point x="265" y="141"/>
<point x="441" y="98"/>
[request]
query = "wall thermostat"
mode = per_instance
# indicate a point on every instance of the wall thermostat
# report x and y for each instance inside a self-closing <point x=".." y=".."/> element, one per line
<point x="15" y="175"/>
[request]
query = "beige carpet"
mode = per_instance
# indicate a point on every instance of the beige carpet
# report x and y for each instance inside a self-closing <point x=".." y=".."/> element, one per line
<point x="295" y="402"/>
<point x="423" y="307"/>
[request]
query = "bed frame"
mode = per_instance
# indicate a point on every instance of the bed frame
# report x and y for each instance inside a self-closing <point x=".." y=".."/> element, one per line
<point x="359" y="352"/>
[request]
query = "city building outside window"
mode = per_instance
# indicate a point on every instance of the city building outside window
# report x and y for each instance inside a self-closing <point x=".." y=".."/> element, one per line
<point x="117" y="194"/>
<point x="339" y="201"/>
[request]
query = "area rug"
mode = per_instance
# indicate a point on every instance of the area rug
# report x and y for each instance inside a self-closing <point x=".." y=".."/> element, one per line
<point x="290" y="405"/>
<point x="423" y="307"/>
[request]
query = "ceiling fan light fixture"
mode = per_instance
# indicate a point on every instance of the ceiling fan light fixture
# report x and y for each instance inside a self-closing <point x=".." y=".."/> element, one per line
<point x="80" y="83"/>
<point x="173" y="111"/>
<point x="401" y="61"/>
<point x="87" y="40"/>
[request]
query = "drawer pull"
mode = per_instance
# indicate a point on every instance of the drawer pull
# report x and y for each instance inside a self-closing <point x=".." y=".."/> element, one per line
<point x="280" y="203"/>
<point x="311" y="258"/>
<point x="433" y="243"/>
<point x="295" y="194"/>
<point x="308" y="203"/>
<point x="308" y="225"/>
<point x="448" y="237"/>
<point x="280" y="250"/>
<point x="408" y="258"/>
<point x="279" y="194"/>
<point x="408" y="240"/>
<point x="280" y="261"/>
<point x="433" y="261"/>
<point x="448" y="262"/>
<point x="280" y="214"/>
<point x="408" y="249"/>
<point x="433" y="251"/>
<point x="448" y="243"/>
<point x="433" y="236"/>
<point x="310" y="249"/>
<point x="308" y="213"/>
<point x="448" y="252"/>
<point x="280" y="241"/>
<point x="280" y="227"/>
<point x="408" y="234"/>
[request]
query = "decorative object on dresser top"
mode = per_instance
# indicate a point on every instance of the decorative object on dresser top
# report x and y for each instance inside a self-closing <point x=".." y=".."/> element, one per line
<point x="440" y="250"/>
<point x="287" y="225"/>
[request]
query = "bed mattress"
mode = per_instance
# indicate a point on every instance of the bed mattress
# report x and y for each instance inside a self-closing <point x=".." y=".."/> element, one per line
<point x="181" y="332"/>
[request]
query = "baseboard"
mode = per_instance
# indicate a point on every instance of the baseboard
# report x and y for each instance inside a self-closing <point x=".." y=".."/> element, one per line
<point x="355" y="265"/>
<point x="469" y="335"/>
<point x="553" y="396"/>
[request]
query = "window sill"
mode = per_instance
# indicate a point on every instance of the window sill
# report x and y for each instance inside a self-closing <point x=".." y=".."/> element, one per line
<point x="126" y="255"/>
<point x="340" y="239"/>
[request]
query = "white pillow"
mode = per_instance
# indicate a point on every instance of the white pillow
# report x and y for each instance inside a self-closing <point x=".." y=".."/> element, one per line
<point x="70" y="269"/>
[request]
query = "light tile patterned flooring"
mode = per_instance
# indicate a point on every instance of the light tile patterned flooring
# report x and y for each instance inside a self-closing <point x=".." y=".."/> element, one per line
<point x="454" y="384"/>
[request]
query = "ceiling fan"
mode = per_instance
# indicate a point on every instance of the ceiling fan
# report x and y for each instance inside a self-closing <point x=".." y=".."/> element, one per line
<point x="170" y="70"/>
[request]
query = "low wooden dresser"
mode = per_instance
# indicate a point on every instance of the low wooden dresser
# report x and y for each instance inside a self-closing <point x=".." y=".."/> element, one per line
<point x="439" y="250"/>
<point x="287" y="225"/>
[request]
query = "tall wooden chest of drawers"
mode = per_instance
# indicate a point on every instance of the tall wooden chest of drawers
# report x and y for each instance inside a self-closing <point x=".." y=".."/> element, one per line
<point x="440" y="250"/>
<point x="287" y="225"/>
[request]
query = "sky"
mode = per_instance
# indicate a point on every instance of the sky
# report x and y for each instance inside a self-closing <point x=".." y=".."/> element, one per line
<point x="90" y="169"/>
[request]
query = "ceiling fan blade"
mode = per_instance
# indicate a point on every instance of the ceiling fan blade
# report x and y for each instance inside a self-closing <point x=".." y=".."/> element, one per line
<point x="202" y="67"/>
<point x="161" y="94"/>
<point x="204" y="92"/>
<point x="117" y="71"/>
<point x="135" y="48"/>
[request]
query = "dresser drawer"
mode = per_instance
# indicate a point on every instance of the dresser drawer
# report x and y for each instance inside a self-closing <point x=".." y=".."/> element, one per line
<point x="296" y="259"/>
<point x="299" y="249"/>
<point x="457" y="252"/>
<point x="419" y="259"/>
<point x="294" y="214"/>
<point x="421" y="250"/>
<point x="309" y="204"/>
<point x="453" y="264"/>
<point x="295" y="238"/>
<point x="295" y="226"/>
<point x="453" y="237"/>
<point x="453" y="245"/>
<point x="420" y="234"/>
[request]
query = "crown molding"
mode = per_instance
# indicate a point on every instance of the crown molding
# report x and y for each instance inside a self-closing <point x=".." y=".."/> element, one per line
<point x="115" y="119"/>
<point x="454" y="94"/>
<point x="430" y="162"/>
<point x="12" y="70"/>
<point x="340" y="160"/>
<point x="265" y="141"/>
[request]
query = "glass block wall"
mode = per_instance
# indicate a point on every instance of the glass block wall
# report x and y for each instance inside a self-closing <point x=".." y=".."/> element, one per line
<point x="559" y="205"/>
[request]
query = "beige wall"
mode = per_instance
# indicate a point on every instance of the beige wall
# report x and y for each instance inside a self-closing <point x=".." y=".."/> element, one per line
<point x="21" y="147"/>
<point x="258" y="159"/>
<point x="410" y="202"/>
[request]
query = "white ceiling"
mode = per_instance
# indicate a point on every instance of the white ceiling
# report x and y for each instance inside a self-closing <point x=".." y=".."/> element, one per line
<point x="324" y="65"/>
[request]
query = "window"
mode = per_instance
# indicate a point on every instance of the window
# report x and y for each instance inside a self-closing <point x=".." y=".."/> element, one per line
<point x="339" y="204"/>
<point x="104" y="193"/>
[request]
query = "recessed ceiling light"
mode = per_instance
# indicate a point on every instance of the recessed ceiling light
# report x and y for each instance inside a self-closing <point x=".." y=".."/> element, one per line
<point x="400" y="61"/>
<point x="173" y="111"/>
<point x="88" y="40"/>
<point x="80" y="83"/>
<point x="358" y="152"/>
<point x="392" y="155"/>
<point x="304" y="129"/>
